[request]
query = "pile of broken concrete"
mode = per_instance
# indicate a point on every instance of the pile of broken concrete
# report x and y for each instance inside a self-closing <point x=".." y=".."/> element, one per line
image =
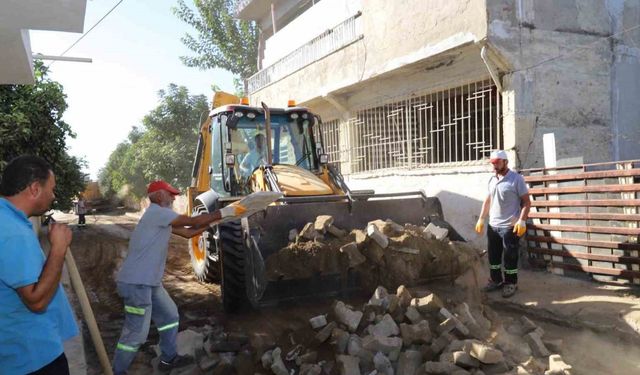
<point x="384" y="253"/>
<point x="398" y="334"/>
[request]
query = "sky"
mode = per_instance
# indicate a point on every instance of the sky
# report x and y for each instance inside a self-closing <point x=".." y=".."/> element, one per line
<point x="135" y="52"/>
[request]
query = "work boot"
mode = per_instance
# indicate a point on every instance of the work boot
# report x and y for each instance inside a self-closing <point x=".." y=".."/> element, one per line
<point x="509" y="290"/>
<point x="177" y="362"/>
<point x="492" y="286"/>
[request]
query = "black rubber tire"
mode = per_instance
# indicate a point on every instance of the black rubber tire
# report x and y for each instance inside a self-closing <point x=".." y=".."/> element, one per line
<point x="207" y="270"/>
<point x="232" y="246"/>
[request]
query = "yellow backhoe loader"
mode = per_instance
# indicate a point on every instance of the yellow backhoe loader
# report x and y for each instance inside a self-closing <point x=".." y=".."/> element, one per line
<point x="244" y="149"/>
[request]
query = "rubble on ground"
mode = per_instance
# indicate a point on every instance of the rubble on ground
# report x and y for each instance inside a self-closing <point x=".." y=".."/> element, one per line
<point x="383" y="253"/>
<point x="390" y="334"/>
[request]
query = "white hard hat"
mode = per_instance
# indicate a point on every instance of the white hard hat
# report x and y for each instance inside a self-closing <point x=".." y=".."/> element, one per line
<point x="498" y="154"/>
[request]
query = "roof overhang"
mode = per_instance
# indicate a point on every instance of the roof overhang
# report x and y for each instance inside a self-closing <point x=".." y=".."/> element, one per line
<point x="17" y="17"/>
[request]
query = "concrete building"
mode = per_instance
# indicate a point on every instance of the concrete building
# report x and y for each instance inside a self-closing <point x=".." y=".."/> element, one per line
<point x="17" y="17"/>
<point x="415" y="94"/>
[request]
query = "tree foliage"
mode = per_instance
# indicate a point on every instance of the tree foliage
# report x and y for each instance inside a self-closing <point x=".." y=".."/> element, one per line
<point x="162" y="148"/>
<point x="222" y="41"/>
<point x="31" y="123"/>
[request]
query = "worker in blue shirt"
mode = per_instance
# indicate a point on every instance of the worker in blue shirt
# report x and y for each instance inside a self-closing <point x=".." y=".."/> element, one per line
<point x="35" y="315"/>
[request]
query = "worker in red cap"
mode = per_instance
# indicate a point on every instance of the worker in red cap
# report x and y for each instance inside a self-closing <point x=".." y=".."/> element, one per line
<point x="139" y="280"/>
<point x="507" y="204"/>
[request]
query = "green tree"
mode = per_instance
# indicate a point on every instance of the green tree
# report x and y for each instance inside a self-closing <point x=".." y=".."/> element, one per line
<point x="222" y="40"/>
<point x="162" y="148"/>
<point x="31" y="123"/>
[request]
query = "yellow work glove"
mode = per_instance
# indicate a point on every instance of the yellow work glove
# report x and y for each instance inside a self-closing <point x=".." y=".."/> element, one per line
<point x="480" y="226"/>
<point x="234" y="209"/>
<point x="520" y="228"/>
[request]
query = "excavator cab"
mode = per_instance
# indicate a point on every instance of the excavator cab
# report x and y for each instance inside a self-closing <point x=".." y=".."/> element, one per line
<point x="244" y="149"/>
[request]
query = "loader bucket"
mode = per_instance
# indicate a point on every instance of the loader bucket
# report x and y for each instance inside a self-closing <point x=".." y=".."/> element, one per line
<point x="270" y="228"/>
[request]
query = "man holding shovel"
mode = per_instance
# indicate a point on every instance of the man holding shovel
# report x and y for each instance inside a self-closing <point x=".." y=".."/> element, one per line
<point x="140" y="278"/>
<point x="35" y="315"/>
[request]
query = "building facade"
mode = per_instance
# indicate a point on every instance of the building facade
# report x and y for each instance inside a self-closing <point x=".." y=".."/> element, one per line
<point x="415" y="94"/>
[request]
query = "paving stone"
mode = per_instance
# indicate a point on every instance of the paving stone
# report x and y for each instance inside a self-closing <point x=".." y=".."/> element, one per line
<point x="522" y="371"/>
<point x="188" y="342"/>
<point x="360" y="237"/>
<point x="409" y="362"/>
<point x="310" y="369"/>
<point x="293" y="235"/>
<point x="461" y="372"/>
<point x="318" y="321"/>
<point x="383" y="365"/>
<point x="415" y="333"/>
<point x="428" y="304"/>
<point x="374" y="233"/>
<point x="496" y="368"/>
<point x="309" y="232"/>
<point x="386" y="345"/>
<point x="310" y="357"/>
<point x="267" y="359"/>
<point x="404" y="296"/>
<point x="386" y="327"/>
<point x="347" y="316"/>
<point x="353" y="254"/>
<point x="464" y="360"/>
<point x="440" y="368"/>
<point x="413" y="315"/>
<point x="340" y="339"/>
<point x="437" y="232"/>
<point x="446" y="326"/>
<point x="554" y="346"/>
<point x="441" y="342"/>
<point x="535" y="343"/>
<point x="458" y="324"/>
<point x="354" y="345"/>
<point x="277" y="366"/>
<point x="557" y="366"/>
<point x="325" y="332"/>
<point x="348" y="365"/>
<point x="527" y="324"/>
<point x="394" y="304"/>
<point x="322" y="223"/>
<point x="482" y="352"/>
<point x="336" y="232"/>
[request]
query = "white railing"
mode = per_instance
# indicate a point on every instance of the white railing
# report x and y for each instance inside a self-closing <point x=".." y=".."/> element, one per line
<point x="324" y="44"/>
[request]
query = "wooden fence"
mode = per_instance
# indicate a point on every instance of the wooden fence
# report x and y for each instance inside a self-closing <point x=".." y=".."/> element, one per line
<point x="585" y="219"/>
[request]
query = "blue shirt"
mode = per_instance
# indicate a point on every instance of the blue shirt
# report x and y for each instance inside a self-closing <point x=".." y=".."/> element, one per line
<point x="28" y="340"/>
<point x="506" y="194"/>
<point x="148" y="247"/>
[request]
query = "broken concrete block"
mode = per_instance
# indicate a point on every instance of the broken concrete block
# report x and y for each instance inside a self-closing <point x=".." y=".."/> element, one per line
<point x="346" y="316"/>
<point x="464" y="360"/>
<point x="438" y="345"/>
<point x="354" y="255"/>
<point x="311" y="357"/>
<point x="348" y="365"/>
<point x="413" y="315"/>
<point x="318" y="321"/>
<point x="554" y="346"/>
<point x="360" y="237"/>
<point x="277" y="366"/>
<point x="267" y="359"/>
<point x="418" y="333"/>
<point x="386" y="345"/>
<point x="336" y="232"/>
<point x="482" y="352"/>
<point x="428" y="304"/>
<point x="440" y="368"/>
<point x="527" y="324"/>
<point x="322" y="223"/>
<point x="496" y="368"/>
<point x="325" y="332"/>
<point x="189" y="342"/>
<point x="457" y="323"/>
<point x="404" y="296"/>
<point x="393" y="303"/>
<point x="437" y="232"/>
<point x="354" y="345"/>
<point x="386" y="327"/>
<point x="557" y="366"/>
<point x="382" y="364"/>
<point x="340" y="339"/>
<point x="310" y="369"/>
<point x="308" y="232"/>
<point x="535" y="343"/>
<point x="377" y="236"/>
<point x="409" y="362"/>
<point x="446" y="326"/>
<point x="522" y="371"/>
<point x="538" y="331"/>
<point x="293" y="234"/>
<point x="455" y="346"/>
<point x="374" y="253"/>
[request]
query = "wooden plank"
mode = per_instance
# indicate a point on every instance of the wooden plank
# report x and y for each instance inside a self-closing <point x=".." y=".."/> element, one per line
<point x="584" y="216"/>
<point x="590" y="256"/>
<point x="587" y="203"/>
<point x="586" y="189"/>
<point x="586" y="229"/>
<point x="599" y="270"/>
<point x="588" y="243"/>
<point x="584" y="175"/>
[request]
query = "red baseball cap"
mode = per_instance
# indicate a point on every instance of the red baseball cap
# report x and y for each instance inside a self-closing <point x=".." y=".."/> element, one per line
<point x="161" y="185"/>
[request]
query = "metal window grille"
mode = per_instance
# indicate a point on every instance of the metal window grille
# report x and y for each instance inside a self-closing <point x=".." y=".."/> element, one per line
<point x="453" y="126"/>
<point x="331" y="139"/>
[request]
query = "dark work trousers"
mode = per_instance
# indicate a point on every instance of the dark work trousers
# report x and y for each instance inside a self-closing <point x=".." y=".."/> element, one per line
<point x="503" y="242"/>
<point x="59" y="366"/>
<point x="81" y="219"/>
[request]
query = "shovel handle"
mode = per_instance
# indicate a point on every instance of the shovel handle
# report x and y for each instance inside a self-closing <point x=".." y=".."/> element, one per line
<point x="87" y="312"/>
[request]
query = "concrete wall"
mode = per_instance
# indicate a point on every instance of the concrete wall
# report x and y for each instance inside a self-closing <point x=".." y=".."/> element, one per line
<point x="393" y="38"/>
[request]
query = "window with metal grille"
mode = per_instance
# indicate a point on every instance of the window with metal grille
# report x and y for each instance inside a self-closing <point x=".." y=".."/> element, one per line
<point x="453" y="126"/>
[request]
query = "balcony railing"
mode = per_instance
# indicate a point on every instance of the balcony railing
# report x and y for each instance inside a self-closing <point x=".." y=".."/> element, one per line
<point x="323" y="45"/>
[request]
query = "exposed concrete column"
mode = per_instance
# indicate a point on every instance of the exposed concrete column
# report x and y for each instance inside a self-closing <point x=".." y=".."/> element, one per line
<point x="345" y="133"/>
<point x="519" y="120"/>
